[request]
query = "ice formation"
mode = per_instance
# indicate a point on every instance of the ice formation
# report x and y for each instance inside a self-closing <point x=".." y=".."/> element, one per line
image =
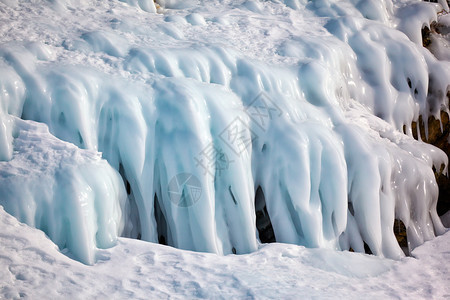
<point x="71" y="194"/>
<point x="200" y="106"/>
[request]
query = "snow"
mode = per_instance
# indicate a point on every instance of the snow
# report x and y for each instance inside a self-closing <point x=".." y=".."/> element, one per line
<point x="194" y="108"/>
<point x="32" y="267"/>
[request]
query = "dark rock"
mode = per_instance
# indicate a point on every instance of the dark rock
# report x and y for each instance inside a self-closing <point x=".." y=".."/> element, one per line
<point x="439" y="139"/>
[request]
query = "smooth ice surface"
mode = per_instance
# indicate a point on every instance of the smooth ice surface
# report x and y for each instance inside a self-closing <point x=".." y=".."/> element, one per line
<point x="32" y="267"/>
<point x="198" y="106"/>
<point x="73" y="195"/>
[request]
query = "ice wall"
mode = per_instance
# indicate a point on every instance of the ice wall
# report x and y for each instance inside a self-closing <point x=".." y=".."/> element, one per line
<point x="200" y="107"/>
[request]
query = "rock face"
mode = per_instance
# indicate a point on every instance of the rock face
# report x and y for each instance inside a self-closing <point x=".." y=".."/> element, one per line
<point x="263" y="222"/>
<point x="436" y="38"/>
<point x="438" y="135"/>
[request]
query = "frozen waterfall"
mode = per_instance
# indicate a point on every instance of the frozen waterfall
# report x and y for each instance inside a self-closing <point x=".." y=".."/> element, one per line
<point x="164" y="125"/>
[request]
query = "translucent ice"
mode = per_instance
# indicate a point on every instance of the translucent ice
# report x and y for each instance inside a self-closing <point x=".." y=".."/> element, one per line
<point x="73" y="195"/>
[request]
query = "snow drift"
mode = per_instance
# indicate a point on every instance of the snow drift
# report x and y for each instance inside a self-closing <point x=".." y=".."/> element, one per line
<point x="32" y="267"/>
<point x="306" y="103"/>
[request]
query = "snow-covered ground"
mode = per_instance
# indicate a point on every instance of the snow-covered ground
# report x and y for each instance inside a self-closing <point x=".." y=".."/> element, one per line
<point x="33" y="268"/>
<point x="183" y="123"/>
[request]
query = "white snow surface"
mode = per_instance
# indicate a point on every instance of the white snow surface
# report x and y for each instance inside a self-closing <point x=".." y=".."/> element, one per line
<point x="33" y="268"/>
<point x="198" y="105"/>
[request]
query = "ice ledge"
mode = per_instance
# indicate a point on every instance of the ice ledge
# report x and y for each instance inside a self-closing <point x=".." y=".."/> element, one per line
<point x="73" y="195"/>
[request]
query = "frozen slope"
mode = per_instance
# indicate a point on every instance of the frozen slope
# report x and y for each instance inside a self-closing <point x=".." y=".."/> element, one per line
<point x="32" y="267"/>
<point x="199" y="107"/>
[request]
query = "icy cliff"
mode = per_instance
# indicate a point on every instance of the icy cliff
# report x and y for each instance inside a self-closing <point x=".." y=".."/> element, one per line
<point x="203" y="108"/>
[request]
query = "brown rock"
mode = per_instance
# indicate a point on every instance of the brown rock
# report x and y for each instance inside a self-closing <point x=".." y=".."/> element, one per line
<point x="439" y="139"/>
